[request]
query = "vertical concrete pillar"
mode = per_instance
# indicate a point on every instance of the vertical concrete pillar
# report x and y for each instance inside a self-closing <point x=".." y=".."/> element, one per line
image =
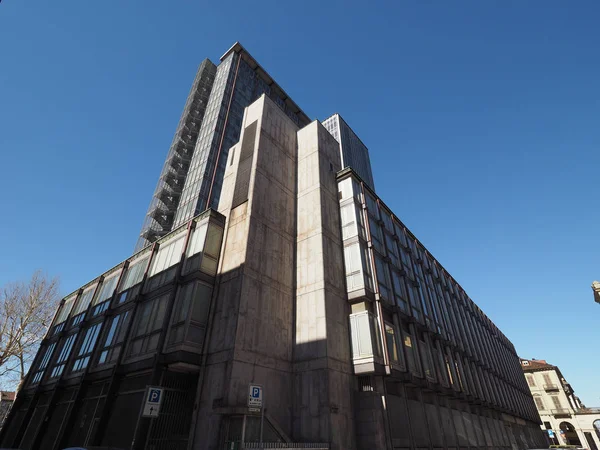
<point x="252" y="324"/>
<point x="322" y="360"/>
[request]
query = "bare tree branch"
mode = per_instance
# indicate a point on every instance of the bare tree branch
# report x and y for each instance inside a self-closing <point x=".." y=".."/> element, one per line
<point x="26" y="310"/>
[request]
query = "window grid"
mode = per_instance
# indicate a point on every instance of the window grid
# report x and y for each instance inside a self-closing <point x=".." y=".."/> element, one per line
<point x="63" y="356"/>
<point x="107" y="288"/>
<point x="87" y="347"/>
<point x="43" y="363"/>
<point x="84" y="300"/>
<point x="148" y="325"/>
<point x="113" y="339"/>
<point x="134" y="273"/>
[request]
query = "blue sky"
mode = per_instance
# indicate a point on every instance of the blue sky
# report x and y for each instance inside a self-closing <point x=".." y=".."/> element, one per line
<point x="481" y="118"/>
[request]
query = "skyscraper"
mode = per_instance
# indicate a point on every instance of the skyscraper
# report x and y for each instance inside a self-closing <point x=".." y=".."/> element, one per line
<point x="352" y="150"/>
<point x="302" y="286"/>
<point x="192" y="175"/>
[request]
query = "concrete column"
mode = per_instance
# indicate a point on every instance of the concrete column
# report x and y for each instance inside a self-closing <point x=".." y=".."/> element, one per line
<point x="252" y="330"/>
<point x="322" y="360"/>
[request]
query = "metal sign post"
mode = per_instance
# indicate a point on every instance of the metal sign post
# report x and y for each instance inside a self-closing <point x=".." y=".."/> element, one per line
<point x="262" y="421"/>
<point x="256" y="403"/>
<point x="150" y="407"/>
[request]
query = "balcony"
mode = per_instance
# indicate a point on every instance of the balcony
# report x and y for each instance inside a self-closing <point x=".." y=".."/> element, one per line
<point x="551" y="388"/>
<point x="366" y="344"/>
<point x="561" y="413"/>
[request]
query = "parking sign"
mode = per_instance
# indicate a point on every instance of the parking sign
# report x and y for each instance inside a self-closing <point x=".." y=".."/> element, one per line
<point x="255" y="395"/>
<point x="152" y="401"/>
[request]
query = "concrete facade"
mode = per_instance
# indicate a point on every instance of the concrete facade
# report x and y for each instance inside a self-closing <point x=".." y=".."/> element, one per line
<point x="280" y="307"/>
<point x="303" y="282"/>
<point x="286" y="319"/>
<point x="560" y="409"/>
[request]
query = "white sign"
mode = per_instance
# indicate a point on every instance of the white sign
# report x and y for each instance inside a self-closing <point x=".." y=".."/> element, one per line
<point x="154" y="397"/>
<point x="255" y="396"/>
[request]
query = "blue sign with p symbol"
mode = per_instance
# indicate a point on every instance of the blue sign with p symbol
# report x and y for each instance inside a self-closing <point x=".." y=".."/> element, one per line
<point x="154" y="396"/>
<point x="255" y="392"/>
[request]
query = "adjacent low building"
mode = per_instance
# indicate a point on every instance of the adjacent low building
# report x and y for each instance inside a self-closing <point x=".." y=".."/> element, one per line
<point x="566" y="420"/>
<point x="596" y="290"/>
<point x="6" y="401"/>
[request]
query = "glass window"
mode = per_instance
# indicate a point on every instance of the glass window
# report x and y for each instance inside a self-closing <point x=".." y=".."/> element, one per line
<point x="400" y="233"/>
<point x="459" y="376"/>
<point x="354" y="267"/>
<point x="63" y="356"/>
<point x="212" y="249"/>
<point x="168" y="255"/>
<point x="376" y="236"/>
<point x="421" y="296"/>
<point x="450" y="370"/>
<point x="372" y="205"/>
<point x="197" y="239"/>
<point x="113" y="338"/>
<point x="406" y="262"/>
<point x="87" y="347"/>
<point x="439" y="354"/>
<point x="413" y="247"/>
<point x="556" y="401"/>
<point x="418" y="270"/>
<point x="107" y="288"/>
<point x="392" y="249"/>
<point x="426" y="358"/>
<point x="413" y="297"/>
<point x="425" y="259"/>
<point x="434" y="269"/>
<point x="387" y="221"/>
<point x="392" y="346"/>
<point x="43" y="363"/>
<point x="399" y="291"/>
<point x="366" y="337"/>
<point x="84" y="300"/>
<point x="409" y="350"/>
<point x="65" y="309"/>
<point x="383" y="277"/>
<point x="134" y="274"/>
<point x="352" y="221"/>
<point x="193" y="301"/>
<point x="345" y="188"/>
<point x="148" y="325"/>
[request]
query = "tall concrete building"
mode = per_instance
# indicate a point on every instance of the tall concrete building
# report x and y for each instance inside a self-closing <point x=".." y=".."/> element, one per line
<point x="300" y="284"/>
<point x="191" y="179"/>
<point x="566" y="420"/>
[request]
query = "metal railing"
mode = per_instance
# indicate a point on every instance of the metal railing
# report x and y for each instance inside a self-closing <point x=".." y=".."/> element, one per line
<point x="561" y="412"/>
<point x="587" y="411"/>
<point x="550" y="387"/>
<point x="283" y="445"/>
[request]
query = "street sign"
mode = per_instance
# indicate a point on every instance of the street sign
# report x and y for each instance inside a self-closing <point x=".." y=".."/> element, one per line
<point x="255" y="396"/>
<point x="154" y="396"/>
<point x="551" y="434"/>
